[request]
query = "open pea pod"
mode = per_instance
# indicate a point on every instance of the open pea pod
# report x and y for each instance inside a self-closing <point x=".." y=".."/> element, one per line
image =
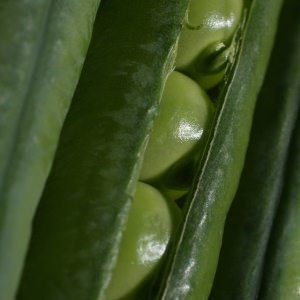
<point x="92" y="175"/>
<point x="193" y="261"/>
<point x="281" y="272"/>
<point x="84" y="208"/>
<point x="80" y="220"/>
<point x="251" y="216"/>
<point x="42" y="48"/>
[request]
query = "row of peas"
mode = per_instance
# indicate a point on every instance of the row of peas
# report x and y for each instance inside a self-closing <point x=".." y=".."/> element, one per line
<point x="176" y="142"/>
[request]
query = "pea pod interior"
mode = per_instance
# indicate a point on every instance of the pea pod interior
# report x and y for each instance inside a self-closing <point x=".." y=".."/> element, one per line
<point x="92" y="182"/>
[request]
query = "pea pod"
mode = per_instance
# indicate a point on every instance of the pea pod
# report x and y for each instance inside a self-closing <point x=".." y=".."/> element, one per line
<point x="79" y="223"/>
<point x="251" y="216"/>
<point x="281" y="272"/>
<point x="42" y="48"/>
<point x="280" y="278"/>
<point x="193" y="262"/>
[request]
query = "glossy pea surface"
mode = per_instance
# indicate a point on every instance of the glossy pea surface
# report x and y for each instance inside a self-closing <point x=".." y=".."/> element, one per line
<point x="208" y="29"/>
<point x="145" y="239"/>
<point x="184" y="115"/>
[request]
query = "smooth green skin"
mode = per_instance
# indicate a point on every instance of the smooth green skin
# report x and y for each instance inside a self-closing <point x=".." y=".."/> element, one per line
<point x="42" y="49"/>
<point x="217" y="21"/>
<point x="193" y="262"/>
<point x="182" y="121"/>
<point x="251" y="216"/>
<point x="78" y="225"/>
<point x="281" y="280"/>
<point x="209" y="81"/>
<point x="144" y="242"/>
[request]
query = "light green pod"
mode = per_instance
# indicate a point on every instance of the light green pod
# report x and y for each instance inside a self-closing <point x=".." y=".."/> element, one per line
<point x="148" y="231"/>
<point x="43" y="45"/>
<point x="203" y="47"/>
<point x="184" y="115"/>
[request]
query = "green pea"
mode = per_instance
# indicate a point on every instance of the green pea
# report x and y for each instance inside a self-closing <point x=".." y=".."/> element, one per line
<point x="149" y="227"/>
<point x="204" y="44"/>
<point x="184" y="115"/>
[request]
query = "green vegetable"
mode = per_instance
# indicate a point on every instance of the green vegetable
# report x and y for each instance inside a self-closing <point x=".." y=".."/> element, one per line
<point x="193" y="261"/>
<point x="251" y="216"/>
<point x="203" y="45"/>
<point x="148" y="230"/>
<point x="184" y="115"/>
<point x="92" y="183"/>
<point x="84" y="208"/>
<point x="42" y="48"/>
<point x="281" y="270"/>
<point x="281" y="278"/>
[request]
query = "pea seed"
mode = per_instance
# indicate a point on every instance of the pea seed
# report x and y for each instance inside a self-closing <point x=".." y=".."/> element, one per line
<point x="144" y="242"/>
<point x="208" y="23"/>
<point x="184" y="115"/>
